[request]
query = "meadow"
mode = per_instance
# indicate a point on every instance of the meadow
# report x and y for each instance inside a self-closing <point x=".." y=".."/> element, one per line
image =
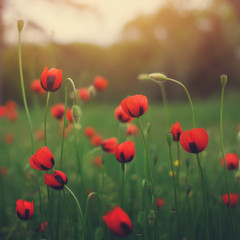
<point x="98" y="187"/>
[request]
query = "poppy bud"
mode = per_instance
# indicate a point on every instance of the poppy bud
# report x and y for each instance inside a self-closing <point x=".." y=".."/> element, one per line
<point x="135" y="106"/>
<point x="109" y="145"/>
<point x="58" y="111"/>
<point x="42" y="160"/>
<point x="232" y="161"/>
<point x="20" y="24"/>
<point x="76" y="113"/>
<point x="234" y="197"/>
<point x="176" y="131"/>
<point x="121" y="115"/>
<point x="84" y="94"/>
<point x="144" y="77"/>
<point x="132" y="129"/>
<point x="96" y="140"/>
<point x="159" y="77"/>
<point x="36" y="87"/>
<point x="24" y="209"/>
<point x="55" y="181"/>
<point x="118" y="222"/>
<point x="100" y="83"/>
<point x="223" y="79"/>
<point x="169" y="139"/>
<point x="89" y="131"/>
<point x="125" y="152"/>
<point x="51" y="79"/>
<point x="194" y="140"/>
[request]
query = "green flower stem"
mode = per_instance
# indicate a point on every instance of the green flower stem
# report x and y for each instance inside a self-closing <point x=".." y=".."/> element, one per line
<point x="223" y="155"/>
<point x="45" y="119"/>
<point x="175" y="192"/>
<point x="80" y="210"/>
<point x="23" y="90"/>
<point x="102" y="187"/>
<point x="189" y="98"/>
<point x="204" y="196"/>
<point x="123" y="183"/>
<point x="150" y="177"/>
<point x="179" y="163"/>
<point x="67" y="210"/>
<point x="49" y="214"/>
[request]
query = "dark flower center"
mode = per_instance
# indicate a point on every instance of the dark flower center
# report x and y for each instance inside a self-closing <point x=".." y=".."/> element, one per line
<point x="50" y="81"/>
<point x="193" y="147"/>
<point x="127" y="230"/>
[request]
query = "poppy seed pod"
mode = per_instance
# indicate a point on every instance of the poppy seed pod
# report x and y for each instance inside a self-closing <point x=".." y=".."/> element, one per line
<point x="121" y="115"/>
<point x="176" y="131"/>
<point x="194" y="140"/>
<point x="234" y="197"/>
<point x="84" y="94"/>
<point x="232" y="161"/>
<point x="24" y="209"/>
<point x="51" y="79"/>
<point x="118" y="222"/>
<point x="109" y="145"/>
<point x="42" y="160"/>
<point x="125" y="152"/>
<point x="55" y="181"/>
<point x="100" y="83"/>
<point x="58" y="111"/>
<point x="135" y="106"/>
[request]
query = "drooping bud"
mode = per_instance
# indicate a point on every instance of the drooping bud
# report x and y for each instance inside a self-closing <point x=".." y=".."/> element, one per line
<point x="223" y="79"/>
<point x="159" y="77"/>
<point x="144" y="77"/>
<point x="20" y="24"/>
<point x="76" y="113"/>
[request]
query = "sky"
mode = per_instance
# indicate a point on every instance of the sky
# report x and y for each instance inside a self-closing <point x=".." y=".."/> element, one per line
<point x="100" y="24"/>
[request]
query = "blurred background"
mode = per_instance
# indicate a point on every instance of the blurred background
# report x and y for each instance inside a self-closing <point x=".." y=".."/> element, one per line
<point x="193" y="41"/>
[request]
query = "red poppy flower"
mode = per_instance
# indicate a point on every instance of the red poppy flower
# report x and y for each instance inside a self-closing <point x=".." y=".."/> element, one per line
<point x="118" y="222"/>
<point x="69" y="115"/>
<point x="68" y="129"/>
<point x="55" y="181"/>
<point x="36" y="87"/>
<point x="42" y="226"/>
<point x="176" y="131"/>
<point x="109" y="145"/>
<point x="84" y="94"/>
<point x="135" y="106"/>
<point x="39" y="134"/>
<point x="3" y="171"/>
<point x="121" y="115"/>
<point x="42" y="160"/>
<point x="232" y="161"/>
<point x="194" y="140"/>
<point x="234" y="197"/>
<point x="132" y="129"/>
<point x="24" y="209"/>
<point x="89" y="131"/>
<point x="125" y="152"/>
<point x="11" y="104"/>
<point x="58" y="111"/>
<point x="97" y="161"/>
<point x="96" y="140"/>
<point x="3" y="111"/>
<point x="12" y="115"/>
<point x="100" y="83"/>
<point x="160" y="202"/>
<point x="8" y="138"/>
<point x="51" y="79"/>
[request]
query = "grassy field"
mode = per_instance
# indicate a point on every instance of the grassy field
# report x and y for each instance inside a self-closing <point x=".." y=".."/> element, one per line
<point x="85" y="177"/>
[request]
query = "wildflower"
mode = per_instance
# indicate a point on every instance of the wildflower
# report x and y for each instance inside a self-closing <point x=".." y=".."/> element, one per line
<point x="42" y="160"/>
<point x="125" y="152"/>
<point x="39" y="134"/>
<point x="121" y="115"/>
<point x="194" y="140"/>
<point x="51" y="79"/>
<point x="12" y="115"/>
<point x="100" y="83"/>
<point x="176" y="131"/>
<point x="3" y="171"/>
<point x="3" y="111"/>
<point x="109" y="145"/>
<point x="11" y="105"/>
<point x="96" y="140"/>
<point x="58" y="111"/>
<point x="232" y="161"/>
<point x="83" y="94"/>
<point x="97" y="161"/>
<point x="89" y="131"/>
<point x="172" y="173"/>
<point x="36" y="87"/>
<point x="24" y="209"/>
<point x="176" y="163"/>
<point x="69" y="115"/>
<point x="118" y="222"/>
<point x="132" y="129"/>
<point x="160" y="202"/>
<point x="42" y="226"/>
<point x="55" y="181"/>
<point x="8" y="138"/>
<point x="135" y="106"/>
<point x="234" y="197"/>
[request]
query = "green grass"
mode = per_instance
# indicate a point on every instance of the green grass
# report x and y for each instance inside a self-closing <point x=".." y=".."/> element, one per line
<point x="20" y="181"/>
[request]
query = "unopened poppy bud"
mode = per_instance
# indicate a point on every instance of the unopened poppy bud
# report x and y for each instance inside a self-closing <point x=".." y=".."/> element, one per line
<point x="92" y="90"/>
<point x="223" y="79"/>
<point x="151" y="216"/>
<point x="169" y="139"/>
<point x="159" y="77"/>
<point x="76" y="113"/>
<point x="143" y="77"/>
<point x="20" y="24"/>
